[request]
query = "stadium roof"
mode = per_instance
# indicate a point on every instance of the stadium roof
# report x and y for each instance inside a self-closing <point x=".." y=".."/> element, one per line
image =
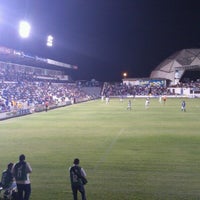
<point x="19" y="57"/>
<point x="175" y="65"/>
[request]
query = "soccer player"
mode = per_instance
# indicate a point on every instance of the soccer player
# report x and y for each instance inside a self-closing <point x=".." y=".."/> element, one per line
<point x="147" y="102"/>
<point x="107" y="99"/>
<point x="129" y="106"/>
<point x="164" y="99"/>
<point x="183" y="106"/>
<point x="160" y="99"/>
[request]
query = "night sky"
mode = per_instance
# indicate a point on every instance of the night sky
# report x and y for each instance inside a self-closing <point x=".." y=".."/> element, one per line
<point x="103" y="37"/>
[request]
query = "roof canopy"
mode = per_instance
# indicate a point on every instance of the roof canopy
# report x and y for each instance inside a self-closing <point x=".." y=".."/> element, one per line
<point x="174" y="66"/>
<point x="19" y="57"/>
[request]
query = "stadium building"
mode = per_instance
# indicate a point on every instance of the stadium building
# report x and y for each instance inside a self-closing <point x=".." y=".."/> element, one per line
<point x="175" y="66"/>
<point x="171" y="71"/>
<point x="175" y="73"/>
<point x="42" y="68"/>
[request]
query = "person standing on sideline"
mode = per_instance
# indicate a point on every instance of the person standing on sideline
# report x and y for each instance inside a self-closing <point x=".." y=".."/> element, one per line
<point x="183" y="106"/>
<point x="77" y="175"/>
<point x="21" y="171"/>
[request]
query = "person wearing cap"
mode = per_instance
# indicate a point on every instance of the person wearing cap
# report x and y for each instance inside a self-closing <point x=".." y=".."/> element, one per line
<point x="21" y="171"/>
<point x="78" y="179"/>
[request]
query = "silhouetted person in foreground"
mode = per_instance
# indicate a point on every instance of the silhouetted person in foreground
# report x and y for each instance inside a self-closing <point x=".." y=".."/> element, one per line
<point x="78" y="180"/>
<point x="21" y="171"/>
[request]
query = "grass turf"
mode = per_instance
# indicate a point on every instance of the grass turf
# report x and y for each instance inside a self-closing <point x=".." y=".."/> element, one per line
<point x="142" y="154"/>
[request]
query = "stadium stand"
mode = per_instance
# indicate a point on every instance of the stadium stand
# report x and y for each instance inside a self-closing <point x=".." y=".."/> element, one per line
<point x="28" y="84"/>
<point x="25" y="89"/>
<point x="120" y="89"/>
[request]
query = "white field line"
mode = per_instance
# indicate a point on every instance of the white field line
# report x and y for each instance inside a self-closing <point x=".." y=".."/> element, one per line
<point x="108" y="150"/>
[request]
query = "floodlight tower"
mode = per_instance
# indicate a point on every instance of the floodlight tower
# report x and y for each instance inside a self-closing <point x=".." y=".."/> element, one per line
<point x="24" y="29"/>
<point x="0" y="17"/>
<point x="49" y="41"/>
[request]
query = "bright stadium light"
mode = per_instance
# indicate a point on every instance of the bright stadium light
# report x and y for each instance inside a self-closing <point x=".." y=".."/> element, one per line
<point x="0" y="17"/>
<point x="24" y="29"/>
<point x="125" y="74"/>
<point x="49" y="41"/>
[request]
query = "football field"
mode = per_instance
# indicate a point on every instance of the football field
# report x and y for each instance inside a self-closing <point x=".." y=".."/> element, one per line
<point x="138" y="154"/>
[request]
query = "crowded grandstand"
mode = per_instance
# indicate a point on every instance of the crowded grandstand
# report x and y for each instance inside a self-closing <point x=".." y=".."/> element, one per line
<point x="31" y="84"/>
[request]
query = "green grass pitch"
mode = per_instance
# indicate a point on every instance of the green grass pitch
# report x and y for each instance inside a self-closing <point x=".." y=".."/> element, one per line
<point x="142" y="154"/>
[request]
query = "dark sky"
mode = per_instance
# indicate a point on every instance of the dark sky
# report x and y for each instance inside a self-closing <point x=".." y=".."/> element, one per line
<point x="103" y="37"/>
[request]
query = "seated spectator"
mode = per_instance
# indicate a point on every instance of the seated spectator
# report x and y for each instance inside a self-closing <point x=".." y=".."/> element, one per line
<point x="7" y="179"/>
<point x="8" y="185"/>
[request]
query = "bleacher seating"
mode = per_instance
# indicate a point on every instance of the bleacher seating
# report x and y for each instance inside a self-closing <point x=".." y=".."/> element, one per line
<point x="20" y="89"/>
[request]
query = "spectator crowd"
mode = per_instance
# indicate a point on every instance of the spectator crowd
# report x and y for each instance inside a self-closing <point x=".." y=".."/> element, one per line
<point x="20" y="90"/>
<point x="26" y="88"/>
<point x="120" y="89"/>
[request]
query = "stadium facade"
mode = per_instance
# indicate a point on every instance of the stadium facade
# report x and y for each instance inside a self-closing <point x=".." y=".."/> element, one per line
<point x="174" y="67"/>
<point x="21" y="60"/>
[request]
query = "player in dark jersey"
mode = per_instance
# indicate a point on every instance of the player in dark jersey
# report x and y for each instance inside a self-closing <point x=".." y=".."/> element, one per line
<point x="183" y="106"/>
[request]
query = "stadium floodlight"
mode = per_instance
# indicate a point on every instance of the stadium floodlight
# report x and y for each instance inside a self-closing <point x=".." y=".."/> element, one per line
<point x="49" y="41"/>
<point x="125" y="74"/>
<point x="24" y="29"/>
<point x="0" y="18"/>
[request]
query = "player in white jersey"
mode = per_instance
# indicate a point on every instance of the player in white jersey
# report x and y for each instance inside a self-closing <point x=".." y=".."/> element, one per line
<point x="147" y="102"/>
